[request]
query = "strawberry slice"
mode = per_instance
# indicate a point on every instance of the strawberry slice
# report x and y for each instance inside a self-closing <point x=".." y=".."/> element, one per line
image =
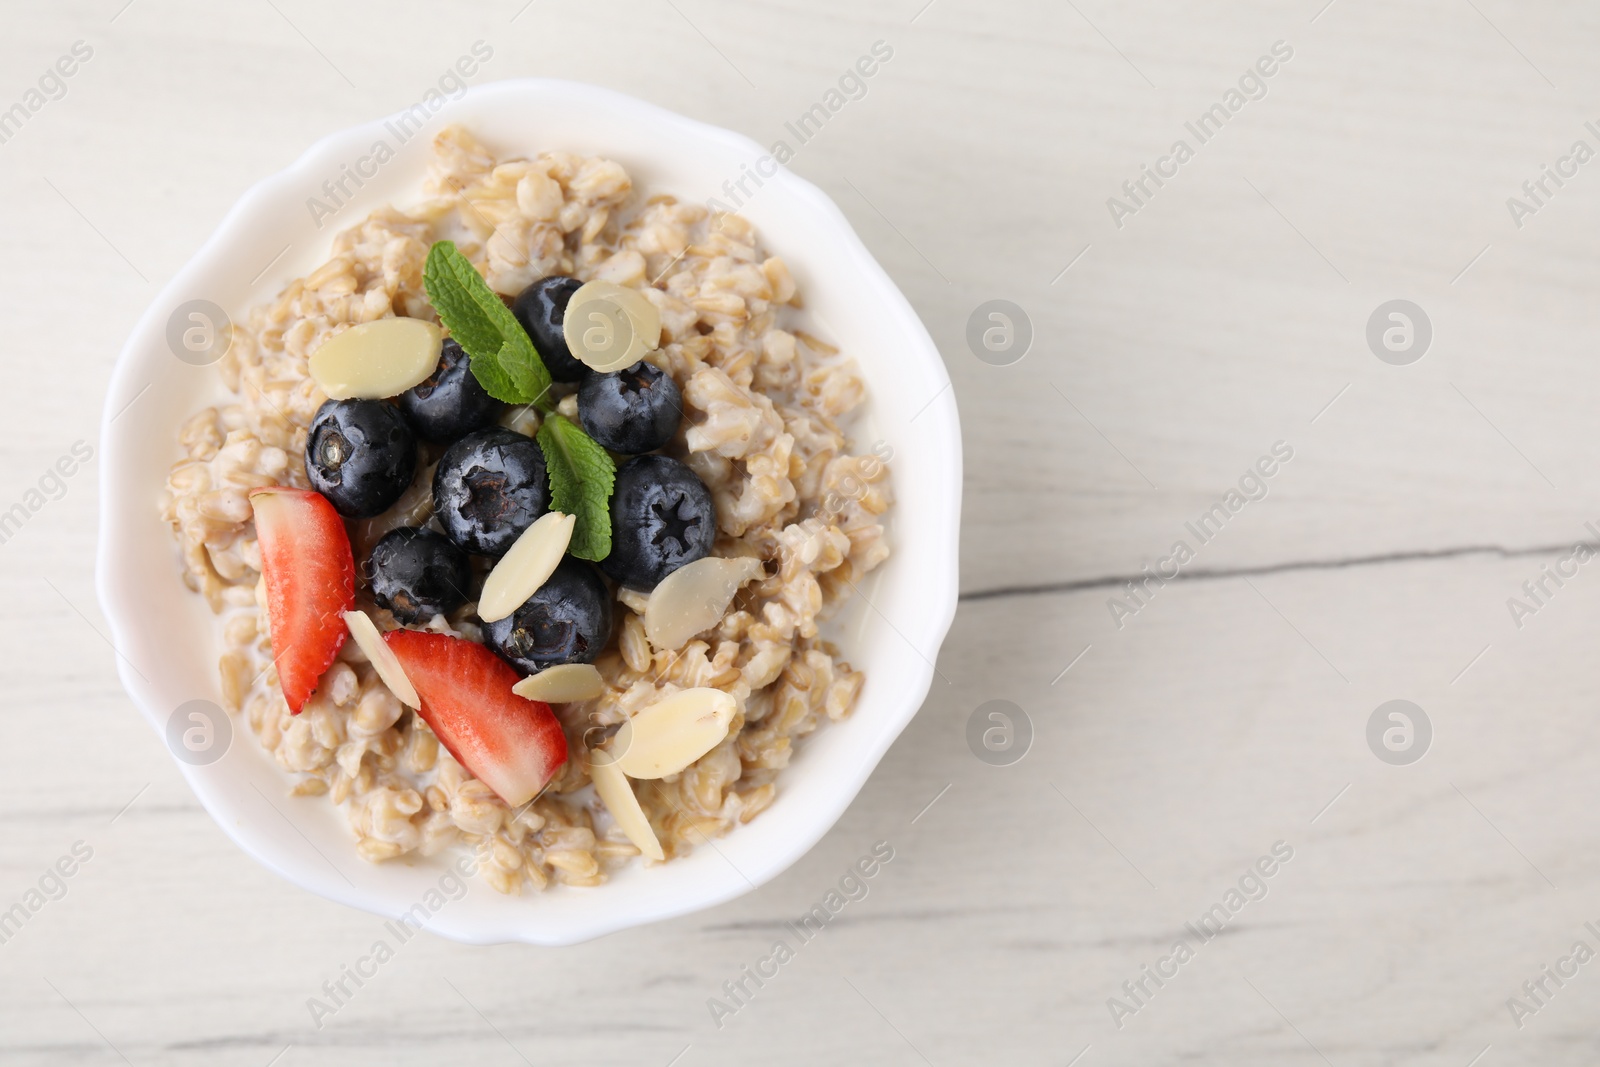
<point x="311" y="583"/>
<point x="511" y="744"/>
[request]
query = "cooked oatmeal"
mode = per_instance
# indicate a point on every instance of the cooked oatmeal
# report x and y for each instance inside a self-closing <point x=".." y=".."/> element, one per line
<point x="764" y="404"/>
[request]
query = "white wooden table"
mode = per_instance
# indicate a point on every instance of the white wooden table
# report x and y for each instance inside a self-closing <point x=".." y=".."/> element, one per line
<point x="1227" y="313"/>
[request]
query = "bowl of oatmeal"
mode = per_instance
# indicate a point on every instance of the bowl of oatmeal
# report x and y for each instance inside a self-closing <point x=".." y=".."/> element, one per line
<point x="513" y="532"/>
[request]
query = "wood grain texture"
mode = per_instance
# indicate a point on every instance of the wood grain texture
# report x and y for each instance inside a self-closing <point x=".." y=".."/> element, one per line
<point x="1227" y="714"/>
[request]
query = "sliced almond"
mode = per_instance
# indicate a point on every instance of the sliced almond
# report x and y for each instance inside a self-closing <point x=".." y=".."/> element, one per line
<point x="370" y="641"/>
<point x="694" y="598"/>
<point x="562" y="684"/>
<point x="617" y="795"/>
<point x="609" y="326"/>
<point x="376" y="359"/>
<point x="645" y="315"/>
<point x="670" y="734"/>
<point x="528" y="565"/>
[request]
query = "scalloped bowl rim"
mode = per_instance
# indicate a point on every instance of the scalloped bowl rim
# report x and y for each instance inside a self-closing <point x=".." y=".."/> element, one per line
<point x="886" y="704"/>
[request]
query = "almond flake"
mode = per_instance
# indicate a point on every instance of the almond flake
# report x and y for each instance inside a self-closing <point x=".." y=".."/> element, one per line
<point x="645" y="315"/>
<point x="365" y="631"/>
<point x="670" y="734"/>
<point x="376" y="359"/>
<point x="562" y="684"/>
<point x="694" y="598"/>
<point x="609" y="326"/>
<point x="617" y="794"/>
<point x="527" y="566"/>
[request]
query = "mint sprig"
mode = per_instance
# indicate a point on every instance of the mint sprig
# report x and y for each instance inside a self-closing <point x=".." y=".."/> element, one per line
<point x="503" y="357"/>
<point x="581" y="477"/>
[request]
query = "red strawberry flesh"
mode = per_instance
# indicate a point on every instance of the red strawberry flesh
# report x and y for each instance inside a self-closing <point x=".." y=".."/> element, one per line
<point x="511" y="744"/>
<point x="311" y="582"/>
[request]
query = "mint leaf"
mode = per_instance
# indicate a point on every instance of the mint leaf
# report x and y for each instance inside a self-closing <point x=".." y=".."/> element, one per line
<point x="526" y="370"/>
<point x="503" y="357"/>
<point x="581" y="477"/>
<point x="445" y="276"/>
<point x="495" y="381"/>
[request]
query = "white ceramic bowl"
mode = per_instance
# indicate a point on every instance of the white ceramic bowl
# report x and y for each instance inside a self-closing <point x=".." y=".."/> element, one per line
<point x="167" y="638"/>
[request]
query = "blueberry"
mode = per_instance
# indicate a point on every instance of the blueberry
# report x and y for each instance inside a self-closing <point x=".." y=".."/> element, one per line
<point x="542" y="309"/>
<point x="630" y="411"/>
<point x="488" y="488"/>
<point x="418" y="574"/>
<point x="449" y="402"/>
<point x="567" y="621"/>
<point x="361" y="455"/>
<point x="661" y="518"/>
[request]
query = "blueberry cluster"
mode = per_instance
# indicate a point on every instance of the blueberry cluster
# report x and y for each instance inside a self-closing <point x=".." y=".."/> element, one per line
<point x="490" y="483"/>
